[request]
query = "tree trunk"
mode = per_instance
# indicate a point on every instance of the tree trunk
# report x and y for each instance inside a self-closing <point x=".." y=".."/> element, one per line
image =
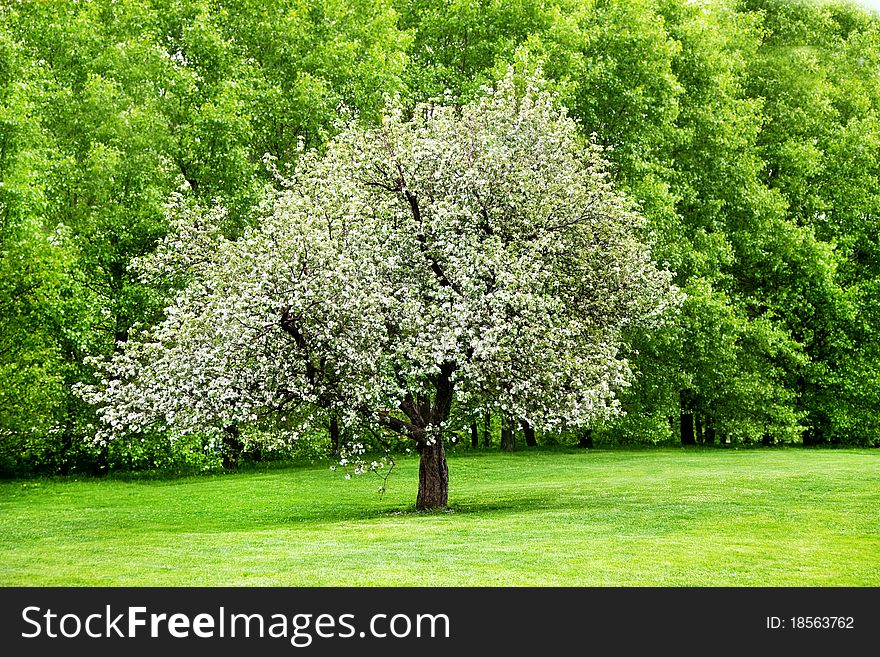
<point x="815" y="434"/>
<point x="475" y="435"/>
<point x="686" y="400"/>
<point x="508" y="437"/>
<point x="687" y="429"/>
<point x="433" y="477"/>
<point x="529" y="433"/>
<point x="586" y="439"/>
<point x="101" y="466"/>
<point x="698" y="428"/>
<point x="708" y="432"/>
<point x="64" y="452"/>
<point x="487" y="430"/>
<point x="231" y="448"/>
<point x="423" y="413"/>
<point x="121" y="325"/>
<point x="334" y="433"/>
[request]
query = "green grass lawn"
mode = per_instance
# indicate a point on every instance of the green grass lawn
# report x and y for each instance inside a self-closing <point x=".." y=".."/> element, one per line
<point x="648" y="517"/>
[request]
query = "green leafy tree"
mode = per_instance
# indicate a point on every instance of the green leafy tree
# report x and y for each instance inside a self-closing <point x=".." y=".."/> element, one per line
<point x="817" y="71"/>
<point x="460" y="45"/>
<point x="133" y="101"/>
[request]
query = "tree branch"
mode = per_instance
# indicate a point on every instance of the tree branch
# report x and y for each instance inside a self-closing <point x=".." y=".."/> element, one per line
<point x="288" y="325"/>
<point x="423" y="244"/>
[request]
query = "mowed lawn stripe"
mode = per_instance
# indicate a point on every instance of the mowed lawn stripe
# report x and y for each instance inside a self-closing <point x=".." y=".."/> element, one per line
<point x="652" y="517"/>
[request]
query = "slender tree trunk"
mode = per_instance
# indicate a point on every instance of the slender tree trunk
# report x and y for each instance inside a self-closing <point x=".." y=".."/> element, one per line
<point x="487" y="430"/>
<point x="64" y="452"/>
<point x="686" y="398"/>
<point x="508" y="437"/>
<point x="334" y="433"/>
<point x="815" y="434"/>
<point x="433" y="477"/>
<point x="586" y="439"/>
<point x="529" y="433"/>
<point x="687" y="429"/>
<point x="708" y="431"/>
<point x="103" y="465"/>
<point x="231" y="448"/>
<point x="698" y="428"/>
<point x="475" y="435"/>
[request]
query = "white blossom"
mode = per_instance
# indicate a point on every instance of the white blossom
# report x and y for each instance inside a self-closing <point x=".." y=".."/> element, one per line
<point x="480" y="248"/>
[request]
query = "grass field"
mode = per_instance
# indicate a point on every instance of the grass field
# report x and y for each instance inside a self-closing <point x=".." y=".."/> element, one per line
<point x="780" y="517"/>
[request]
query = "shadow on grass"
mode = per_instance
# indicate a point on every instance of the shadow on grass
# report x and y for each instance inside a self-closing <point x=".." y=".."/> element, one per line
<point x="321" y="514"/>
<point x="510" y="505"/>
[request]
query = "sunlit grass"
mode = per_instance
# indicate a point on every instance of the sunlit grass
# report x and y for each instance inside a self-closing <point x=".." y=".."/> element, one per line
<point x="667" y="517"/>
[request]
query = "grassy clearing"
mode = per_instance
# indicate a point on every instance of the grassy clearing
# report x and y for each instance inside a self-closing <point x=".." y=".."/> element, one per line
<point x="598" y="518"/>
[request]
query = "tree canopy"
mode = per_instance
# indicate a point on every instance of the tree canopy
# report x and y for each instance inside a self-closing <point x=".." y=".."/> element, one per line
<point x="744" y="131"/>
<point x="475" y="256"/>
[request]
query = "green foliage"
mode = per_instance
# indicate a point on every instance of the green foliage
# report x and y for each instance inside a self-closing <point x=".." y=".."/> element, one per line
<point x="108" y="108"/>
<point x="747" y="130"/>
<point x="32" y="275"/>
<point x="458" y="43"/>
<point x="711" y="140"/>
<point x="817" y="72"/>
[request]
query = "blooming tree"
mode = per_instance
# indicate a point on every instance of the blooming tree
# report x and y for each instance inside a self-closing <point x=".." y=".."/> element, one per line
<point x="475" y="256"/>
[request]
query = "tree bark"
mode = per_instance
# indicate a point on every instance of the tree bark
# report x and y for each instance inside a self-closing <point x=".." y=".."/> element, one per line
<point x="815" y="434"/>
<point x="433" y="476"/>
<point x="586" y="439"/>
<point x="687" y="429"/>
<point x="487" y="430"/>
<point x="708" y="431"/>
<point x="529" y="433"/>
<point x="475" y="436"/>
<point x="66" y="447"/>
<point x="508" y="437"/>
<point x="334" y="433"/>
<point x="423" y="412"/>
<point x="101" y="466"/>
<point x="686" y="401"/>
<point x="231" y="448"/>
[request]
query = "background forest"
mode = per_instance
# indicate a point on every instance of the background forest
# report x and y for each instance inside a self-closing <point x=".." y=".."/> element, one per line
<point x="748" y="133"/>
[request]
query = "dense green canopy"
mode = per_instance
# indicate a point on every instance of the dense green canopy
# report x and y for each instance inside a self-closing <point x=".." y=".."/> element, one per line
<point x="747" y="131"/>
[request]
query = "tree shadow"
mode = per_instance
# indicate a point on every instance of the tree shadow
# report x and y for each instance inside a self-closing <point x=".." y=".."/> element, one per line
<point x="471" y="507"/>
